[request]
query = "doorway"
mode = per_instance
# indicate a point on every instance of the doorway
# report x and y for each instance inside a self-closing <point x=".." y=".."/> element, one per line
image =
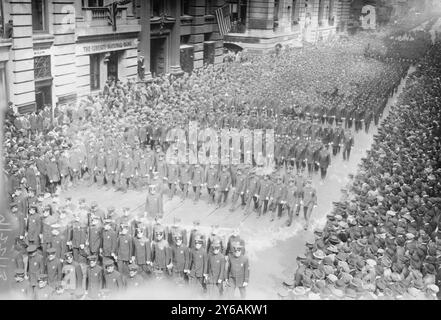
<point x="158" y="56"/>
<point x="43" y="94"/>
<point x="112" y="66"/>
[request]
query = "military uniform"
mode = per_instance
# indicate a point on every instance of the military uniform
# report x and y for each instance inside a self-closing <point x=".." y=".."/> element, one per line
<point x="142" y="251"/>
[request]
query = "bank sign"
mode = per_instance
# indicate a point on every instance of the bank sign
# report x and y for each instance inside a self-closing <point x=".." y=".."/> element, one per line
<point x="106" y="46"/>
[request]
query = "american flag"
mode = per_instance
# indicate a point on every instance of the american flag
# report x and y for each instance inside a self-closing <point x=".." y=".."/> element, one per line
<point x="223" y="19"/>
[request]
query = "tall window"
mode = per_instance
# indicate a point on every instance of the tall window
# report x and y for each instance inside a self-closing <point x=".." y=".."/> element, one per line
<point x="331" y="16"/>
<point x="95" y="3"/>
<point x="209" y="7"/>
<point x="42" y="67"/>
<point x="94" y="71"/>
<point x="185" y="7"/>
<point x="295" y="12"/>
<point x="39" y="15"/>
<point x="156" y="8"/>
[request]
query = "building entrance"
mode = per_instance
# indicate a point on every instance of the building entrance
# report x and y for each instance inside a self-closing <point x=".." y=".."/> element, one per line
<point x="158" y="53"/>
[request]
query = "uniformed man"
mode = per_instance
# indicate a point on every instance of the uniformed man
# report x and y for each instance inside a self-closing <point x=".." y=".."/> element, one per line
<point x="154" y="203"/>
<point x="211" y="179"/>
<point x="172" y="178"/>
<point x="265" y="191"/>
<point x="72" y="274"/>
<point x="252" y="191"/>
<point x="198" y="264"/>
<point x="113" y="280"/>
<point x="142" y="253"/>
<point x="134" y="280"/>
<point x="309" y="202"/>
<point x="180" y="257"/>
<point x="43" y="292"/>
<point x="279" y="195"/>
<point x="21" y="285"/>
<point x="324" y="162"/>
<point x="161" y="256"/>
<point x="143" y="171"/>
<point x="235" y="237"/>
<point x="238" y="271"/>
<point x="197" y="181"/>
<point x="215" y="270"/>
<point x="109" y="241"/>
<point x="124" y="247"/>
<point x="100" y="167"/>
<point x="35" y="266"/>
<point x="33" y="227"/>
<point x="94" y="277"/>
<point x="53" y="268"/>
<point x="239" y="189"/>
<point x="95" y="236"/>
<point x="77" y="236"/>
<point x="224" y="185"/>
<point x="292" y="200"/>
<point x="185" y="173"/>
<point x="63" y="167"/>
<point x="300" y="183"/>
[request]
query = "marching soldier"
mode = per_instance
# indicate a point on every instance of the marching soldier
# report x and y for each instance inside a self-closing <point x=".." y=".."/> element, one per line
<point x="197" y="180"/>
<point x="239" y="189"/>
<point x="185" y="174"/>
<point x="279" y="195"/>
<point x="172" y="178"/>
<point x="265" y="191"/>
<point x="224" y="184"/>
<point x="252" y="191"/>
<point x="100" y="167"/>
<point x="238" y="271"/>
<point x="211" y="178"/>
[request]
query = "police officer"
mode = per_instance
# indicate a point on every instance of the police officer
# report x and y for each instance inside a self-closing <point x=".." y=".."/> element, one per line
<point x="160" y="252"/>
<point x="279" y="195"/>
<point x="198" y="264"/>
<point x="211" y="178"/>
<point x="134" y="280"/>
<point x="142" y="252"/>
<point x="180" y="257"/>
<point x="53" y="268"/>
<point x="215" y="270"/>
<point x="21" y="285"/>
<point x="94" y="277"/>
<point x="239" y="189"/>
<point x="154" y="203"/>
<point x="124" y="247"/>
<point x="109" y="241"/>
<point x="197" y="181"/>
<point x="113" y="280"/>
<point x="238" y="271"/>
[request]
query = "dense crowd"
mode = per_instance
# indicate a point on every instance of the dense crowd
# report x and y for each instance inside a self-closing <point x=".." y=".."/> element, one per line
<point x="383" y="242"/>
<point x="314" y="99"/>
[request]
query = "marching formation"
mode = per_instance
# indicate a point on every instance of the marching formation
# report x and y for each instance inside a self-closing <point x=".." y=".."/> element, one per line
<point x="80" y="251"/>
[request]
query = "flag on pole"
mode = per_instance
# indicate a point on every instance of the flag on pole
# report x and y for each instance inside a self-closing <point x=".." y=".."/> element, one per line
<point x="223" y="19"/>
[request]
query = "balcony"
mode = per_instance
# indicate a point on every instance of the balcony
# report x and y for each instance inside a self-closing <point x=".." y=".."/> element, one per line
<point x="95" y="21"/>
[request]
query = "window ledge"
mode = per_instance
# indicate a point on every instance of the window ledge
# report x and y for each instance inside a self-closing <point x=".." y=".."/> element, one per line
<point x="186" y="17"/>
<point x="42" y="37"/>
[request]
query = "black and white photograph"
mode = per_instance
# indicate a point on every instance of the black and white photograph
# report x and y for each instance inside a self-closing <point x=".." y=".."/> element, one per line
<point x="238" y="152"/>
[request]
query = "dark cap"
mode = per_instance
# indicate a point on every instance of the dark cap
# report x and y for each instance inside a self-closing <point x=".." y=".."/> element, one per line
<point x="51" y="251"/>
<point x="31" y="248"/>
